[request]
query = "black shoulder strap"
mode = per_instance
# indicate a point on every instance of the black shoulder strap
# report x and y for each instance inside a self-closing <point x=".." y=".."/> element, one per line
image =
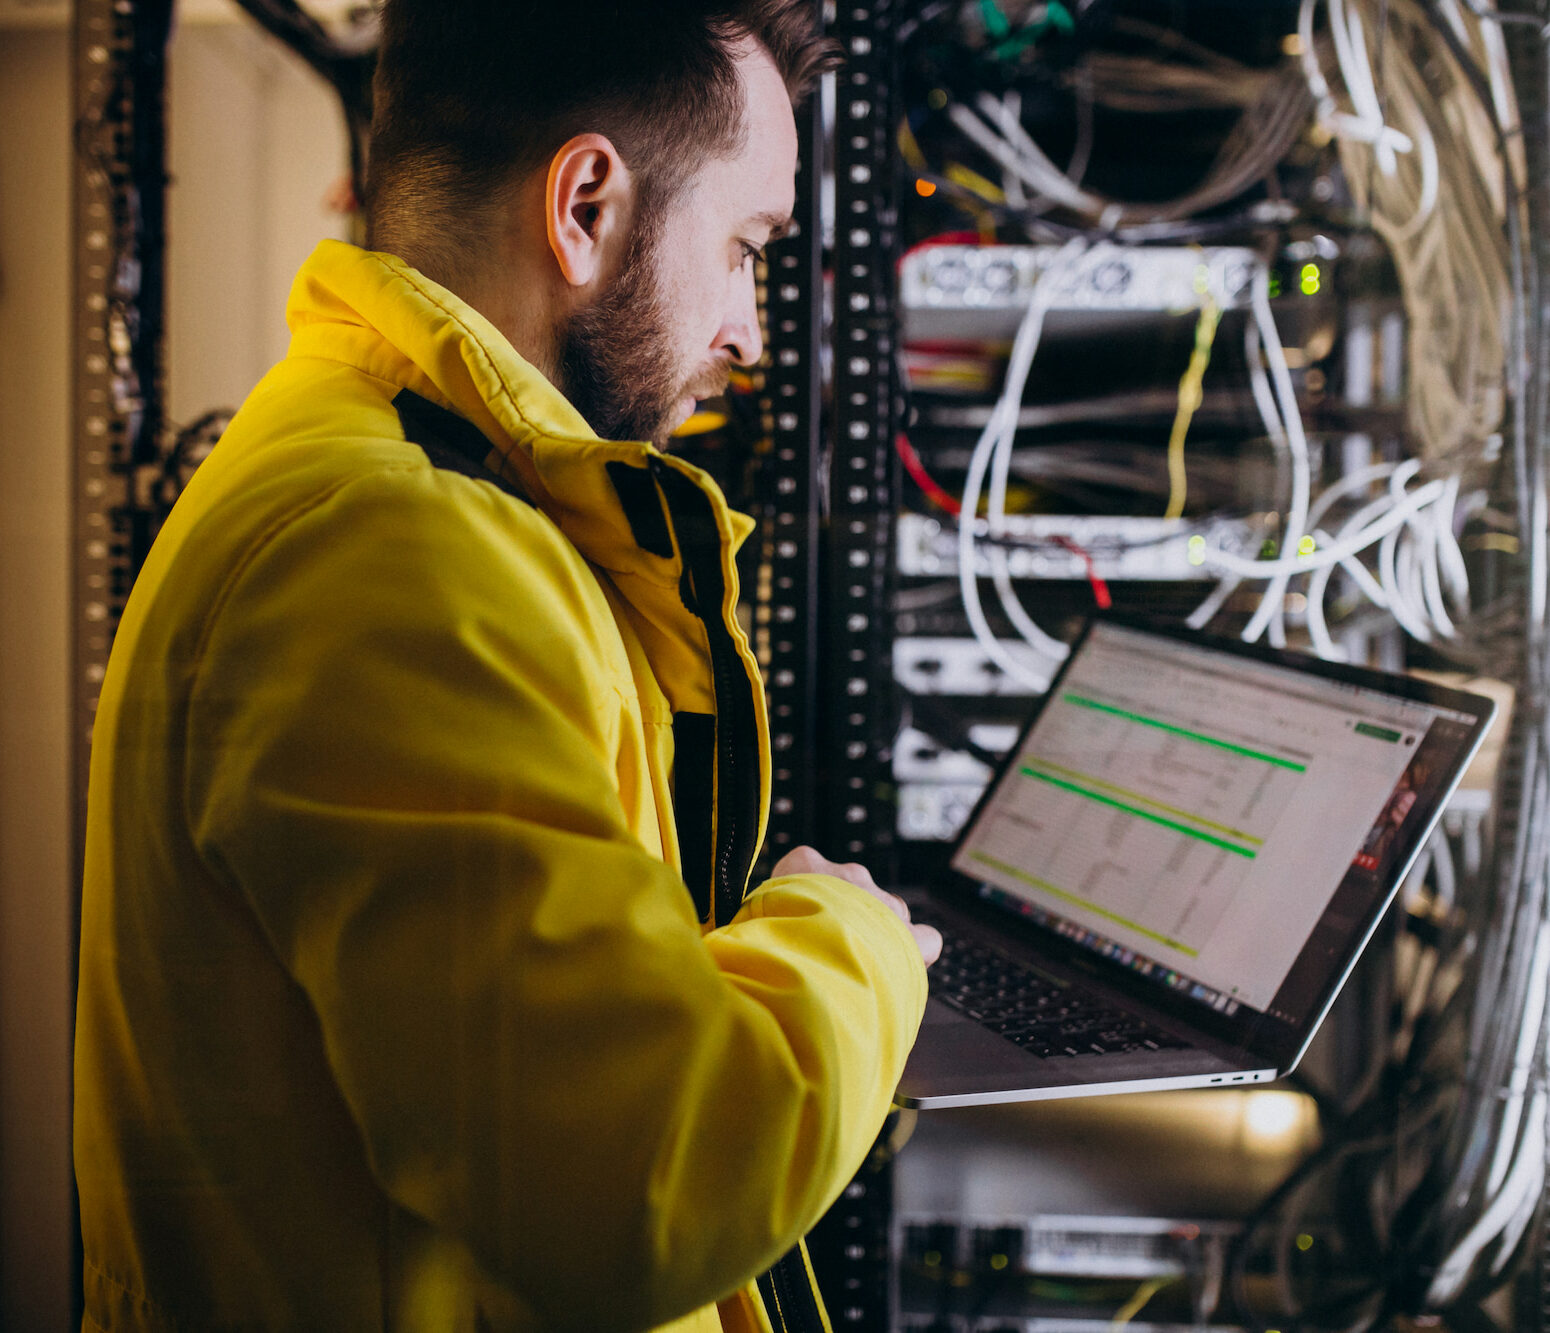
<point x="450" y="442"/>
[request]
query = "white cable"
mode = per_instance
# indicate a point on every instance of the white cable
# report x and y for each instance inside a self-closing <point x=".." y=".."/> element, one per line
<point x="1513" y="1229"/>
<point x="1400" y="605"/>
<point x="1522" y="1062"/>
<point x="1408" y="564"/>
<point x="1431" y="182"/>
<point x="1367" y="125"/>
<point x="1524" y="1181"/>
<point x="1450" y="557"/>
<point x="1296" y="442"/>
<point x="1352" y="481"/>
<point x="1341" y="549"/>
<point x="1310" y="58"/>
<point x="1524" y="1177"/>
<point x="1537" y="562"/>
<point x="1317" y="585"/>
<point x="1018" y="367"/>
<point x="1264" y="400"/>
<point x="1051" y="183"/>
<point x="1201" y="616"/>
<point x="1259" y="384"/>
<point x="1011" y="182"/>
<point x="1429" y="566"/>
<point x="1336" y="552"/>
<point x="1430" y="562"/>
<point x="1003" y="419"/>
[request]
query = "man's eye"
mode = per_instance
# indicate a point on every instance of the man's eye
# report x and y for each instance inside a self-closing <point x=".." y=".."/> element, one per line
<point x="750" y="253"/>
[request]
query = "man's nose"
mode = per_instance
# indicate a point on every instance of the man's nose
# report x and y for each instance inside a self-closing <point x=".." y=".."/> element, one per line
<point x="740" y="337"/>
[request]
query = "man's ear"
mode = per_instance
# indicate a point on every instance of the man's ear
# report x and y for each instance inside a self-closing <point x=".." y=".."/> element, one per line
<point x="588" y="202"/>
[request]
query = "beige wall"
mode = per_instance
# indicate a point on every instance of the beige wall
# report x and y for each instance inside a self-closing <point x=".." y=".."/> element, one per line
<point x="255" y="142"/>
<point x="35" y="911"/>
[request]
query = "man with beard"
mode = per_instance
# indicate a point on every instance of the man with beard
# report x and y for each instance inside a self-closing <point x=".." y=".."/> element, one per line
<point x="422" y="984"/>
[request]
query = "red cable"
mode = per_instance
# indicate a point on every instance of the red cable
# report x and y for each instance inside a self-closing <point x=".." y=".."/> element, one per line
<point x="1100" y="588"/>
<point x="934" y="492"/>
<point x="927" y="483"/>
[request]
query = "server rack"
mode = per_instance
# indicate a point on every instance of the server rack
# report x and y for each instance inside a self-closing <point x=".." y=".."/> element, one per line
<point x="829" y="530"/>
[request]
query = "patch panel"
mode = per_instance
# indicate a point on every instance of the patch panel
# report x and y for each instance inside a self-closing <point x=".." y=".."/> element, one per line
<point x="952" y="666"/>
<point x="935" y="811"/>
<point x="1038" y="1324"/>
<point x="1014" y="1275"/>
<point x="1071" y="1245"/>
<point x="979" y="292"/>
<point x="1059" y="546"/>
<point x="918" y="757"/>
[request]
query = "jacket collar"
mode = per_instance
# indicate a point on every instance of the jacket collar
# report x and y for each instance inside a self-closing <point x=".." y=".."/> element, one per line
<point x="374" y="312"/>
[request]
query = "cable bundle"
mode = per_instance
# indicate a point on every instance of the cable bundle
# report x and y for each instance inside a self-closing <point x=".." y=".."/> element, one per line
<point x="1419" y="153"/>
<point x="1439" y="1156"/>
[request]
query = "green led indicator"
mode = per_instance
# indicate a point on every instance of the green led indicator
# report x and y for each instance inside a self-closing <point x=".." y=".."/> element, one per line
<point x="1197" y="550"/>
<point x="1307" y="546"/>
<point x="1275" y="285"/>
<point x="1310" y="279"/>
<point x="1305" y="1242"/>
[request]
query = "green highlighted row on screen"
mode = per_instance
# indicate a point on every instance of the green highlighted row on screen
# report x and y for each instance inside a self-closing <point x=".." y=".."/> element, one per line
<point x="1139" y="813"/>
<point x="1075" y="901"/>
<point x="1082" y="702"/>
<point x="1049" y="766"/>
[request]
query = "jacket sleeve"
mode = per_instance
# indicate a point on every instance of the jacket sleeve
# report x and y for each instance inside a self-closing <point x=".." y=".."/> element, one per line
<point x="401" y="753"/>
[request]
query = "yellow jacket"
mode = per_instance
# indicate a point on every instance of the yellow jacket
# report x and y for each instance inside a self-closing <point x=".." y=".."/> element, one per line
<point x="418" y="987"/>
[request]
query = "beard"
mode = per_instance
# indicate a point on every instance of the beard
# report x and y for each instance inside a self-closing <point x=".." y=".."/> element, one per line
<point x="616" y="359"/>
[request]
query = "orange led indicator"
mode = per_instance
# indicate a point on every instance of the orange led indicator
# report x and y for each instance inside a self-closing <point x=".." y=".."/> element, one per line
<point x="925" y="189"/>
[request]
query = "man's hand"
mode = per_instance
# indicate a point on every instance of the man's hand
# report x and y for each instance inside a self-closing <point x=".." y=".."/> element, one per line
<point x="806" y="861"/>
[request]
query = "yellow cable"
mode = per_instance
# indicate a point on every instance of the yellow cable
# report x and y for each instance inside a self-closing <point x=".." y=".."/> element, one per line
<point x="1131" y="1308"/>
<point x="976" y="187"/>
<point x="973" y="182"/>
<point x="909" y="148"/>
<point x="1189" y="399"/>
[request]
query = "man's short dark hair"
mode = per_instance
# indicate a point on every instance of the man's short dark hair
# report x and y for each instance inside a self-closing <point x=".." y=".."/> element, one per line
<point x="473" y="95"/>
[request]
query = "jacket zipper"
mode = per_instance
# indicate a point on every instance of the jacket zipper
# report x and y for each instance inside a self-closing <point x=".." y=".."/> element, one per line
<point x="736" y="801"/>
<point x="789" y="1297"/>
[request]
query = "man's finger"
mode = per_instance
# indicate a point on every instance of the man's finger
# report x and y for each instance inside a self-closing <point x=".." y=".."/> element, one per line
<point x="929" y="938"/>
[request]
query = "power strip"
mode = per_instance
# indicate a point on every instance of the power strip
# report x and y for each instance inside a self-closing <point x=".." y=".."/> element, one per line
<point x="1156" y="550"/>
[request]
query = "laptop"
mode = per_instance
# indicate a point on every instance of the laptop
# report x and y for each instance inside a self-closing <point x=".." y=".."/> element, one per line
<point x="1177" y="866"/>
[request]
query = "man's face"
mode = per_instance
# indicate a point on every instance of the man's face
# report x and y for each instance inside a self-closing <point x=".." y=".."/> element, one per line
<point x="681" y="309"/>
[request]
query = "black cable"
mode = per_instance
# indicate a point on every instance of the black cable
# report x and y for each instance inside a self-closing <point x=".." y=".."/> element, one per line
<point x="348" y="70"/>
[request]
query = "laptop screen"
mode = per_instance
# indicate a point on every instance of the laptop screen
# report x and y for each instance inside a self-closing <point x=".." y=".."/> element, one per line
<point x="1223" y="825"/>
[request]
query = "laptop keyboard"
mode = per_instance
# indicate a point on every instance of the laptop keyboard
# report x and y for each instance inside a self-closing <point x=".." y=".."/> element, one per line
<point x="1047" y="1018"/>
